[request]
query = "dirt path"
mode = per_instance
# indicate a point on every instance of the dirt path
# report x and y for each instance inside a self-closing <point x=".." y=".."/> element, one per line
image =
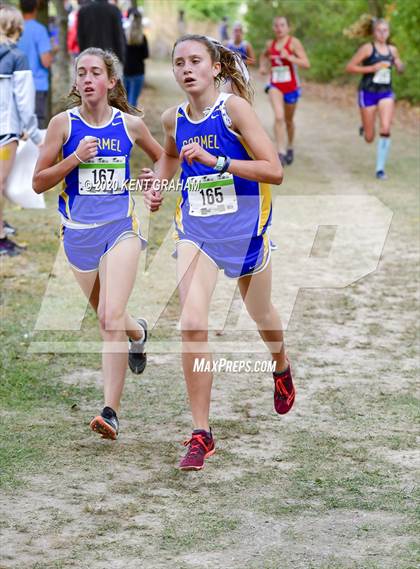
<point x="331" y="486"/>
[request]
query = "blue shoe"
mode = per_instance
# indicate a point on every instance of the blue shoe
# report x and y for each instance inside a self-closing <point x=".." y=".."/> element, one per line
<point x="282" y="158"/>
<point x="380" y="175"/>
<point x="290" y="156"/>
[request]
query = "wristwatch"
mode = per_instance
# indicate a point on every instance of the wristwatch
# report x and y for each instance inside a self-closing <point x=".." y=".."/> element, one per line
<point x="220" y="163"/>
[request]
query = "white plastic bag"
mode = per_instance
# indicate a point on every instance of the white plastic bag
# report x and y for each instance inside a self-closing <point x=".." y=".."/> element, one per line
<point x="19" y="183"/>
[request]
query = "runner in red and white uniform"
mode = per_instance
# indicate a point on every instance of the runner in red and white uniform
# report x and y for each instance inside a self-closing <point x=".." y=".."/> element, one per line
<point x="283" y="54"/>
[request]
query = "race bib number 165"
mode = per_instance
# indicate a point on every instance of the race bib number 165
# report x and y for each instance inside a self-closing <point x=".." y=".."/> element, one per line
<point x="213" y="194"/>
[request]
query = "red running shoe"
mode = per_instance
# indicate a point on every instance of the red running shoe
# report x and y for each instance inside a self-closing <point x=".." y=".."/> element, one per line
<point x="284" y="391"/>
<point x="201" y="446"/>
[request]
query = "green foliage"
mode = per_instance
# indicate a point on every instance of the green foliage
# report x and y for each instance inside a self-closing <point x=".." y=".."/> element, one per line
<point x="405" y="24"/>
<point x="320" y="25"/>
<point x="213" y="10"/>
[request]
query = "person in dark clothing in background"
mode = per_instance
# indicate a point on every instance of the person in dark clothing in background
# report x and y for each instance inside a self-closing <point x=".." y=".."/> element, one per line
<point x="99" y="25"/>
<point x="137" y="50"/>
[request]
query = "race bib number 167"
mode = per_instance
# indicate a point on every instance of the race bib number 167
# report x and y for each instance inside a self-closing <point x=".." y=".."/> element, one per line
<point x="102" y="175"/>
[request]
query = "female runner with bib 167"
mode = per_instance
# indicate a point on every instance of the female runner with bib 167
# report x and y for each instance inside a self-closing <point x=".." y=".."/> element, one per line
<point x="100" y="231"/>
<point x="221" y="219"/>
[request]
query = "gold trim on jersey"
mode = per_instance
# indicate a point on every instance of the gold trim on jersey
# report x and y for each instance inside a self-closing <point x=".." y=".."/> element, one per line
<point x="178" y="215"/>
<point x="264" y="191"/>
<point x="135" y="223"/>
<point x="63" y="193"/>
<point x="265" y="205"/>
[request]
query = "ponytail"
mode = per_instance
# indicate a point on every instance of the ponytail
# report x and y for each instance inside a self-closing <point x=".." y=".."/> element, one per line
<point x="234" y="69"/>
<point x="363" y="27"/>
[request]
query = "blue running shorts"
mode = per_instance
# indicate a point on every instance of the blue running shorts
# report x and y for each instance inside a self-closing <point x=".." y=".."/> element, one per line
<point x="85" y="248"/>
<point x="237" y="258"/>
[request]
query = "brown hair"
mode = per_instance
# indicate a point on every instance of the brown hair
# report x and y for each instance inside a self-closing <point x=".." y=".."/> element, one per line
<point x="117" y="96"/>
<point x="230" y="62"/>
<point x="281" y="18"/>
<point x="11" y="23"/>
<point x="364" y="26"/>
<point x="134" y="32"/>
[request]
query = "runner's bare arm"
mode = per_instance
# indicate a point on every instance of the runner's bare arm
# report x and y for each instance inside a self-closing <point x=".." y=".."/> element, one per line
<point x="48" y="172"/>
<point x="166" y="166"/>
<point x="266" y="166"/>
<point x="264" y="60"/>
<point x="169" y="161"/>
<point x="250" y="60"/>
<point x="397" y="61"/>
<point x="142" y="137"/>
<point x="299" y="56"/>
<point x="354" y="65"/>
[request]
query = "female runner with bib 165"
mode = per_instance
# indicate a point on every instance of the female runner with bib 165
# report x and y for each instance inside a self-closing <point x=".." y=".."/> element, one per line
<point x="100" y="231"/>
<point x="221" y="219"/>
<point x="375" y="60"/>
<point x="284" y="54"/>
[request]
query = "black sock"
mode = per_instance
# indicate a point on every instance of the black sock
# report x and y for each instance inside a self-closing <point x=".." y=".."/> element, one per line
<point x="280" y="373"/>
<point x="209" y="434"/>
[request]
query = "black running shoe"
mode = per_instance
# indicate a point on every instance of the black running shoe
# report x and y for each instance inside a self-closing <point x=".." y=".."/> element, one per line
<point x="282" y="158"/>
<point x="289" y="156"/>
<point x="106" y="424"/>
<point x="9" y="229"/>
<point x="9" y="247"/>
<point x="137" y="357"/>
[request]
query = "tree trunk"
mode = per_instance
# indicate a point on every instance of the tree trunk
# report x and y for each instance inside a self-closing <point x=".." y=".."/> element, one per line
<point x="42" y="16"/>
<point x="376" y="8"/>
<point x="62" y="63"/>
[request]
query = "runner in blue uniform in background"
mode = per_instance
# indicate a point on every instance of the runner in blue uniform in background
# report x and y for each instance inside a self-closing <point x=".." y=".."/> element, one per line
<point x="241" y="46"/>
<point x="92" y="143"/>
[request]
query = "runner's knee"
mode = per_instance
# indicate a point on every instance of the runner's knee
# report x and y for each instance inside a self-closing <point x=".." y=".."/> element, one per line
<point x="194" y="335"/>
<point x="193" y="323"/>
<point x="262" y="316"/>
<point x="111" y="319"/>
